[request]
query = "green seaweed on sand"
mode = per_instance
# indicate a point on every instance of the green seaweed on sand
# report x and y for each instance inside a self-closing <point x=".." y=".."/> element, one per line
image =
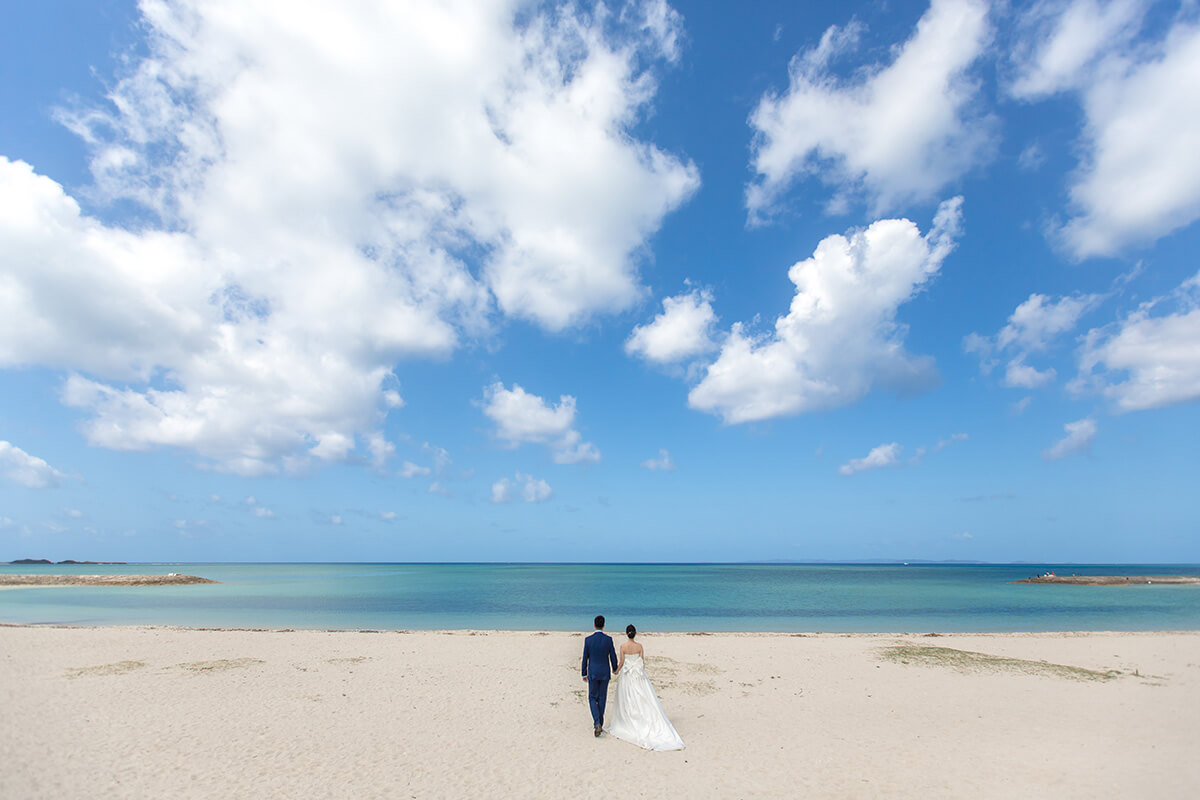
<point x="117" y="668"/>
<point x="970" y="661"/>
<point x="220" y="665"/>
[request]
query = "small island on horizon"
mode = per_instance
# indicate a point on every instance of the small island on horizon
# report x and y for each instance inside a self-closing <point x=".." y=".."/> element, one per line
<point x="171" y="579"/>
<point x="68" y="561"/>
<point x="1111" y="580"/>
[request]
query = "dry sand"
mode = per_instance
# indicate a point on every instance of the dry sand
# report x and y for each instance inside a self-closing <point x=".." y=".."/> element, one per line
<point x="166" y="712"/>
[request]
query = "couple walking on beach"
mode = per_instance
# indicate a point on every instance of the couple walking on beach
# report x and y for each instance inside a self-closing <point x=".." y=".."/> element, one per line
<point x="637" y="716"/>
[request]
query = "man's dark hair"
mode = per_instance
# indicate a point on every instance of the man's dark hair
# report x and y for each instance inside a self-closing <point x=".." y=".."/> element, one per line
<point x="599" y="622"/>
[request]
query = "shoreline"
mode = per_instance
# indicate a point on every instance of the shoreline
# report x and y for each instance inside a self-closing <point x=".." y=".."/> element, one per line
<point x="616" y="634"/>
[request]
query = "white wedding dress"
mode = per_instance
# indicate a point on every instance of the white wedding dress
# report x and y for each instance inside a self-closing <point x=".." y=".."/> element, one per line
<point x="635" y="714"/>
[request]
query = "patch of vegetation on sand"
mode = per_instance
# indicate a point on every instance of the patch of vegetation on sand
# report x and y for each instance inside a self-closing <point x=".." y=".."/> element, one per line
<point x="220" y="665"/>
<point x="116" y="668"/>
<point x="969" y="661"/>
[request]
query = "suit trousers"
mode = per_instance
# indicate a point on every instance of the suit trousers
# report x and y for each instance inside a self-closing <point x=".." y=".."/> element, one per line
<point x="597" y="699"/>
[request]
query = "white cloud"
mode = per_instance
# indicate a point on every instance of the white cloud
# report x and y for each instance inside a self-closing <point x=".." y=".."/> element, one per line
<point x="422" y="164"/>
<point x="1021" y="405"/>
<point x="380" y="448"/>
<point x="1146" y="361"/>
<point x="1031" y="158"/>
<point x="214" y="498"/>
<point x="683" y="330"/>
<point x="840" y="338"/>
<point x="440" y="456"/>
<point x="896" y="133"/>
<point x="523" y="417"/>
<point x="388" y="516"/>
<point x="333" y="446"/>
<point x="25" y="469"/>
<point x="885" y="455"/>
<point x="6" y="522"/>
<point x="335" y="519"/>
<point x="1035" y="322"/>
<point x="410" y="470"/>
<point x="438" y="488"/>
<point x="73" y="513"/>
<point x="1062" y="41"/>
<point x="663" y="462"/>
<point x="263" y="513"/>
<point x="1019" y="375"/>
<point x="1032" y="327"/>
<point x="1078" y="438"/>
<point x="1139" y="178"/>
<point x="941" y="445"/>
<point x="525" y="488"/>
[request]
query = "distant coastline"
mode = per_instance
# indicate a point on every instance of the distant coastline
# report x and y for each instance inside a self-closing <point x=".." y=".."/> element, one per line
<point x="172" y="579"/>
<point x="68" y="561"/>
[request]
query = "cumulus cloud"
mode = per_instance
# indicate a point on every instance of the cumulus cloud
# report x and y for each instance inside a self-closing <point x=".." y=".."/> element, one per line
<point x="524" y="487"/>
<point x="683" y="330"/>
<point x="410" y="470"/>
<point x="895" y="133"/>
<point x="1078" y="438"/>
<point x="1139" y="178"/>
<point x="1149" y="359"/>
<point x="523" y="417"/>
<point x="263" y="513"/>
<point x="840" y="338"/>
<point x="424" y="164"/>
<point x="25" y="469"/>
<point x="663" y="462"/>
<point x="1031" y="328"/>
<point x="885" y="455"/>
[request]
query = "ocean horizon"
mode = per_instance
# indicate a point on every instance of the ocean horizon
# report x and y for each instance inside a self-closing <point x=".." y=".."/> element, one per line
<point x="792" y="597"/>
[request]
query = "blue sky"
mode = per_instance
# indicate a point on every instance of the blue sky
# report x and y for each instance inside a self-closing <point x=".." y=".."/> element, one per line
<point x="512" y="281"/>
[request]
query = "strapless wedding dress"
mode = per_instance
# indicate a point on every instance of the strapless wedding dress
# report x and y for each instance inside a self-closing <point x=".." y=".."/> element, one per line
<point x="635" y="714"/>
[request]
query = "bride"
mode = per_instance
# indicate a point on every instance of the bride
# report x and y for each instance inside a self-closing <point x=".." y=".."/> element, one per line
<point x="636" y="714"/>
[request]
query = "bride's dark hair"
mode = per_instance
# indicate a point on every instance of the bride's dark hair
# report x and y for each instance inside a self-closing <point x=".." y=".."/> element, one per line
<point x="630" y="631"/>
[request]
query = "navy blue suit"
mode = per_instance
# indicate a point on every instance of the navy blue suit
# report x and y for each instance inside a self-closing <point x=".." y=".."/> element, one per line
<point x="598" y="653"/>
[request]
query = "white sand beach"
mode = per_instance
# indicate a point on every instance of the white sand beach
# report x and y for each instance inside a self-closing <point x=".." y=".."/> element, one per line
<point x="167" y="712"/>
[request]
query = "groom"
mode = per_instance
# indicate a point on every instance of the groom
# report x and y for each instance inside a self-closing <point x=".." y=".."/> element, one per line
<point x="598" y="653"/>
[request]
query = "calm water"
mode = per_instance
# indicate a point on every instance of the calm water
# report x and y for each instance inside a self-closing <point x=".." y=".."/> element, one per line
<point x="676" y="597"/>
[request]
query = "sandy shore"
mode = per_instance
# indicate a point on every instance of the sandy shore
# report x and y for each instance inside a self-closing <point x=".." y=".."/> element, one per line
<point x="164" y="712"/>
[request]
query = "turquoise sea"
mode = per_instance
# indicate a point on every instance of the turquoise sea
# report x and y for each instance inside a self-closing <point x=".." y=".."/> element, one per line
<point x="656" y="597"/>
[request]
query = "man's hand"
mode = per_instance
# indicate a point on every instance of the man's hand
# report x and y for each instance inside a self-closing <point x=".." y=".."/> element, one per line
<point x="585" y="678"/>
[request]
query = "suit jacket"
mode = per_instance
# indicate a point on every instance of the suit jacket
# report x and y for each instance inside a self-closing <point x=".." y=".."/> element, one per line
<point x="598" y="653"/>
